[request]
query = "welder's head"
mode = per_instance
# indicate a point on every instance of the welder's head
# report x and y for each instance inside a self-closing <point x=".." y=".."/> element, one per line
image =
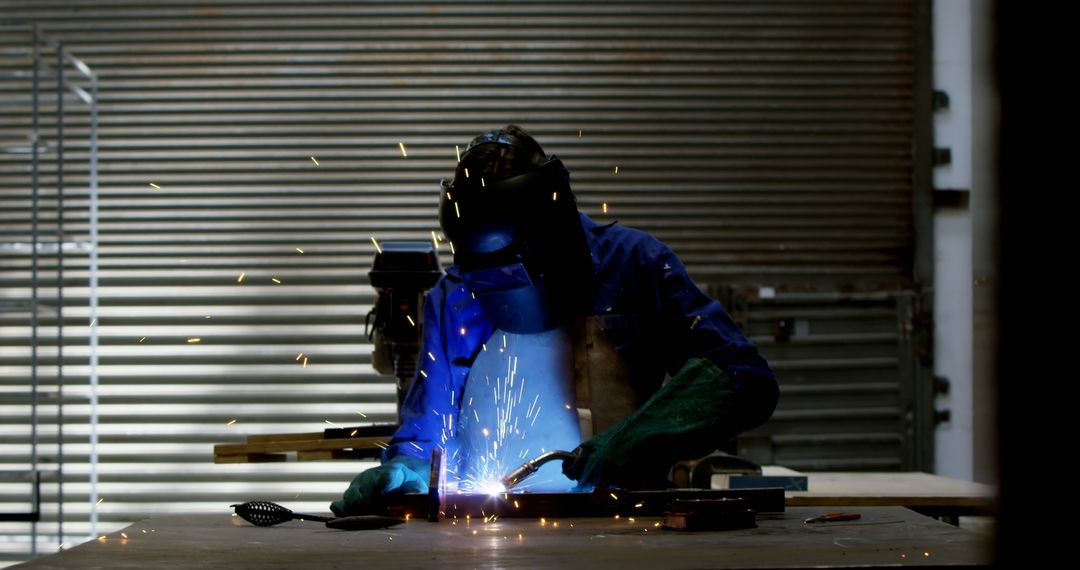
<point x="518" y="240"/>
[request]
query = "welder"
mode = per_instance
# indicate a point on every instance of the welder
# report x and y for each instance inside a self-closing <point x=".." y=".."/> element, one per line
<point x="632" y="366"/>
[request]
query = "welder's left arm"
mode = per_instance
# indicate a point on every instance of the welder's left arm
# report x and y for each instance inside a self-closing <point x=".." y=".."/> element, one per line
<point x="686" y="418"/>
<point x="720" y="386"/>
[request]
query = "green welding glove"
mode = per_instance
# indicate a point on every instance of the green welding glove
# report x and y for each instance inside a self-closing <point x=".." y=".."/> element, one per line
<point x="688" y="417"/>
<point x="369" y="491"/>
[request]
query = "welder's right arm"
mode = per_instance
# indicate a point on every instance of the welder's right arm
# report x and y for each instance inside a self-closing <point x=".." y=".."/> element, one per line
<point x="372" y="490"/>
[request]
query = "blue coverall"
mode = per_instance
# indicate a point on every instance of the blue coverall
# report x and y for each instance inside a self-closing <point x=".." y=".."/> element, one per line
<point x="653" y="314"/>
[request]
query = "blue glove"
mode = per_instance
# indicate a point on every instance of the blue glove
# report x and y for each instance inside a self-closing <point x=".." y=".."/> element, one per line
<point x="370" y="490"/>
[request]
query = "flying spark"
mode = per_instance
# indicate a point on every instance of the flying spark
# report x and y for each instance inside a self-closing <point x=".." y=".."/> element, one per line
<point x="616" y="170"/>
<point x="299" y="356"/>
<point x="93" y="322"/>
<point x="457" y="150"/>
<point x="300" y="250"/>
<point x="466" y="173"/>
<point x="315" y="161"/>
<point x="362" y="414"/>
<point x="276" y="280"/>
<point x="142" y="339"/>
<point x="194" y="339"/>
<point x="100" y="500"/>
<point x="305" y="363"/>
<point x="434" y="239"/>
<point x="354" y="433"/>
<point x="451" y="247"/>
<point x="424" y="374"/>
<point x="554" y="196"/>
<point x="377" y="248"/>
<point x="123" y="535"/>
<point x="431" y="356"/>
<point x="241" y="278"/>
<point x="605" y="207"/>
<point x="457" y="210"/>
<point x="579" y="133"/>
<point x="403" y="153"/>
<point x="230" y="422"/>
<point x="155" y="186"/>
<point x="462" y="331"/>
<point x="411" y="322"/>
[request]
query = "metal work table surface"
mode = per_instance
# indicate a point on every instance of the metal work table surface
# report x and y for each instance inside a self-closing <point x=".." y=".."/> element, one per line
<point x="884" y="535"/>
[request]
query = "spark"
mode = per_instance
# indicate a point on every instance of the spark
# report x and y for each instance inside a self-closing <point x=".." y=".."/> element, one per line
<point x="276" y="280"/>
<point x="543" y="521"/>
<point x="123" y="535"/>
<point x="485" y="432"/>
<point x="209" y="317"/>
<point x="194" y="340"/>
<point x="474" y="533"/>
<point x="484" y="346"/>
<point x="555" y="524"/>
<point x="305" y="363"/>
<point x="466" y="173"/>
<point x="231" y="422"/>
<point x="354" y="433"/>
<point x="451" y="246"/>
<point x="462" y="331"/>
<point x="155" y="186"/>
<point x="639" y="505"/>
<point x="697" y="320"/>
<point x="315" y="161"/>
<point x="144" y="530"/>
<point x="631" y="519"/>
<point x="554" y="196"/>
<point x="411" y="322"/>
<point x="457" y="210"/>
<point x="377" y="248"/>
<point x="142" y="339"/>
<point x="332" y="423"/>
<point x="300" y="250"/>
<point x="299" y="356"/>
<point x="616" y="517"/>
<point x="413" y="443"/>
<point x="521" y="536"/>
<point x="99" y="501"/>
<point x="403" y="153"/>
<point x="457" y="150"/>
<point x="926" y="554"/>
<point x="516" y="506"/>
<point x="241" y="278"/>
<point x="93" y="322"/>
<point x="656" y="524"/>
<point x="616" y="170"/>
<point x="579" y="133"/>
<point x="434" y="239"/>
<point x="605" y="207"/>
<point x="362" y="414"/>
<point x="101" y="538"/>
<point x="424" y="374"/>
<point x="613" y="496"/>
<point x="431" y="356"/>
<point x="568" y="406"/>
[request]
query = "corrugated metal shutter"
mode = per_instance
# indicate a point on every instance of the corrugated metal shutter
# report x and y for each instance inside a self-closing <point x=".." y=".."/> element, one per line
<point x="767" y="142"/>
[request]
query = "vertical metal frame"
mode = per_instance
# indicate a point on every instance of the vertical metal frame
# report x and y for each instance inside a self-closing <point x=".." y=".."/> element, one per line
<point x="921" y="455"/>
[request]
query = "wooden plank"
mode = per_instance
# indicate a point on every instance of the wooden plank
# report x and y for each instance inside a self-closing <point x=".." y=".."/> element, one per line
<point x="300" y="445"/>
<point x="267" y="438"/>
<point x="250" y="458"/>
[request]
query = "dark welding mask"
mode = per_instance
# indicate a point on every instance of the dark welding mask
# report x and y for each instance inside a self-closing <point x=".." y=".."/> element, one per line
<point x="518" y="243"/>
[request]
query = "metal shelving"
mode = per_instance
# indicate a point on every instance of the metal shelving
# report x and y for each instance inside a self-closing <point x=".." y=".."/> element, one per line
<point x="44" y="90"/>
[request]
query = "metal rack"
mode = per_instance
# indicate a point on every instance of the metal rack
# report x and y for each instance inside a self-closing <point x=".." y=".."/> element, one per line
<point x="40" y="78"/>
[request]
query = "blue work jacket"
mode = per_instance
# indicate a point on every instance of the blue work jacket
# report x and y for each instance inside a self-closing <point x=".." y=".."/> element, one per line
<point x="654" y="315"/>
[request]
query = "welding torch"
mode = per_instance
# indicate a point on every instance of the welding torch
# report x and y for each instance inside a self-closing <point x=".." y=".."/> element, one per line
<point x="529" y="467"/>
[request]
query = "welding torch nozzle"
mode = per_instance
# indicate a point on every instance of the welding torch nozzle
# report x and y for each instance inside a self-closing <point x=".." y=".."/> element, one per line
<point x="529" y="467"/>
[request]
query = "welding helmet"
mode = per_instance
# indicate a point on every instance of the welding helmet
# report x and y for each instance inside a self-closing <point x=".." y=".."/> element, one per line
<point x="518" y="241"/>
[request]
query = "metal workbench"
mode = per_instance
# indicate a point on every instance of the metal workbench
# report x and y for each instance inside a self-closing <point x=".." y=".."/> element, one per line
<point x="884" y="536"/>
